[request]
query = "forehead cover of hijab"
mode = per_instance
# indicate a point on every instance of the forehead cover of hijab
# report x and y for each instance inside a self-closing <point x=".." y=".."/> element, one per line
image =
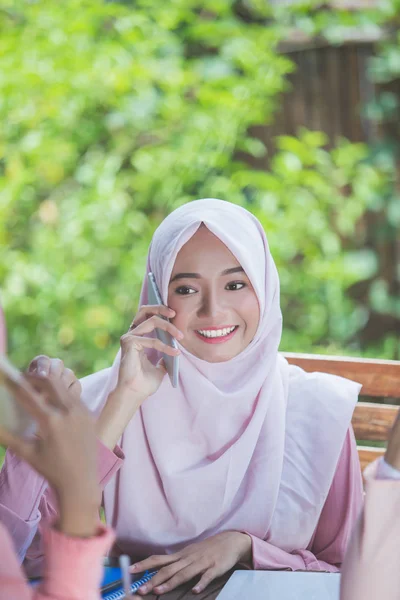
<point x="243" y="235"/>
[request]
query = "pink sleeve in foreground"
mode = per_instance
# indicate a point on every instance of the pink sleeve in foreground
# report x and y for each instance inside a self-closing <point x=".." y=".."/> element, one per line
<point x="73" y="568"/>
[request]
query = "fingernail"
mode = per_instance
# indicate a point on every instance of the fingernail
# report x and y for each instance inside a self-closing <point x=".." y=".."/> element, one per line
<point x="159" y="589"/>
<point x="143" y="589"/>
<point x="41" y="372"/>
<point x="181" y="334"/>
<point x="172" y="312"/>
<point x="133" y="567"/>
<point x="196" y="589"/>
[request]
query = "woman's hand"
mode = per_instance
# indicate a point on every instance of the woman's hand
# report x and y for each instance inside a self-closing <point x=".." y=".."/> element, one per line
<point x="392" y="456"/>
<point x="138" y="378"/>
<point x="209" y="559"/>
<point x="64" y="452"/>
<point x="54" y="370"/>
<point x="136" y="372"/>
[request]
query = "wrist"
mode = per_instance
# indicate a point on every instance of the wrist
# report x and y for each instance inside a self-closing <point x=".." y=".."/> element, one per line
<point x="79" y="515"/>
<point x="245" y="555"/>
<point x="123" y="394"/>
<point x="119" y="409"/>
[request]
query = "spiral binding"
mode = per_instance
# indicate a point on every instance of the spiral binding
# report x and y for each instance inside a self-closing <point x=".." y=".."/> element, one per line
<point x="118" y="594"/>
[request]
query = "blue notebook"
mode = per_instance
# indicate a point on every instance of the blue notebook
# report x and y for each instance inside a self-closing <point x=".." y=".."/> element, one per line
<point x="111" y="587"/>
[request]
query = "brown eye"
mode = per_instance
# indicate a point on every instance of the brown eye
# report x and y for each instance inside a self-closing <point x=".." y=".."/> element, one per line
<point x="235" y="286"/>
<point x="184" y="290"/>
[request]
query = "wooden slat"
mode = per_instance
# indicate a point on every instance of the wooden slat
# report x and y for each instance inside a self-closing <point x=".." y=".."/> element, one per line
<point x="296" y="40"/>
<point x="368" y="454"/>
<point x="373" y="422"/>
<point x="379" y="378"/>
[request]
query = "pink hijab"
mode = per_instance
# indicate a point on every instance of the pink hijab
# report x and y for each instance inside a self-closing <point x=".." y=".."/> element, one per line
<point x="234" y="446"/>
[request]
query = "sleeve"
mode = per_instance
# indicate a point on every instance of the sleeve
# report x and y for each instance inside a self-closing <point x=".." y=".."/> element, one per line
<point x="371" y="565"/>
<point x="26" y="500"/>
<point x="13" y="585"/>
<point x="73" y="568"/>
<point x="342" y="507"/>
<point x="21" y="491"/>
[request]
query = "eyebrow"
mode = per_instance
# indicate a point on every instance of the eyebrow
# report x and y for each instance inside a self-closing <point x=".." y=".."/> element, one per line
<point x="198" y="276"/>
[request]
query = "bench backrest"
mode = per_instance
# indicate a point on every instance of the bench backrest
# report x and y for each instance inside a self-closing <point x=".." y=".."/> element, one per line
<point x="380" y="379"/>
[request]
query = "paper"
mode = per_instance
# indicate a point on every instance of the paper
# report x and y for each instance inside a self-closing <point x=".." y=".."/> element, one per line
<point x="281" y="585"/>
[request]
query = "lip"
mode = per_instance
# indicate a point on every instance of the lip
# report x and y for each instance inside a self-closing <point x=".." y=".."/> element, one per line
<point x="217" y="340"/>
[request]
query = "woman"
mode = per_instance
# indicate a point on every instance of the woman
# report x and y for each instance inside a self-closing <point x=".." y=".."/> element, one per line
<point x="64" y="453"/>
<point x="249" y="460"/>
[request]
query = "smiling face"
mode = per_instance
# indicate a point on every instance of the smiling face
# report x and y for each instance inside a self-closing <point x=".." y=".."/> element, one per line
<point x="216" y="307"/>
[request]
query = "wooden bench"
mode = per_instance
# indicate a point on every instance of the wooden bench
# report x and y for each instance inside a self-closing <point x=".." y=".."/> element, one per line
<point x="379" y="378"/>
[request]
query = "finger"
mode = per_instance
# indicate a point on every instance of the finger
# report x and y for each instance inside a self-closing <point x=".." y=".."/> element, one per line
<point x="130" y="341"/>
<point x="68" y="377"/>
<point x="21" y="447"/>
<point x="27" y="397"/>
<point x="205" y="580"/>
<point x="154" y="562"/>
<point x="162" y="366"/>
<point x="148" y="310"/>
<point x="157" y="323"/>
<point x="40" y="364"/>
<point x="165" y="574"/>
<point x="184" y="575"/>
<point x="56" y="368"/>
<point x="54" y="393"/>
<point x="72" y="384"/>
<point x="76" y="388"/>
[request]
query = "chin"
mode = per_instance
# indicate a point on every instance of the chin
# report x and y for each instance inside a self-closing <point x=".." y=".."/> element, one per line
<point x="216" y="357"/>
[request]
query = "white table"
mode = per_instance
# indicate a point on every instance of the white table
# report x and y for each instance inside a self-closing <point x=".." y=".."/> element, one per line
<point x="281" y="585"/>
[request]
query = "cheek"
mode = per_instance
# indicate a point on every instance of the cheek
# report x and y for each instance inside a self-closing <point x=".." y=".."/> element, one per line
<point x="182" y="317"/>
<point x="249" y="311"/>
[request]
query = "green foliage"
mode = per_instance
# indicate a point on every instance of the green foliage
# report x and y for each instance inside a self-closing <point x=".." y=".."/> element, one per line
<point x="112" y="116"/>
<point x="377" y="297"/>
<point x="310" y="204"/>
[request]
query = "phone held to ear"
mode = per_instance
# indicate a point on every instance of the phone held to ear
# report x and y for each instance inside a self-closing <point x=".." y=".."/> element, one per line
<point x="13" y="417"/>
<point x="171" y="362"/>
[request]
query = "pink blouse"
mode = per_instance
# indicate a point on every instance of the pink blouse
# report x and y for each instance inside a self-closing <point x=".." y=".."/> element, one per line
<point x="26" y="500"/>
<point x="73" y="567"/>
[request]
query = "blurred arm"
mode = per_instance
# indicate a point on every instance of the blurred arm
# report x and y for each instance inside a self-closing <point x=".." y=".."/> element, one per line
<point x="371" y="567"/>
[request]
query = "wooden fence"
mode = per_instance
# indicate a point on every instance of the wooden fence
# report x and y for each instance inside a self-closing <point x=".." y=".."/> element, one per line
<point x="327" y="90"/>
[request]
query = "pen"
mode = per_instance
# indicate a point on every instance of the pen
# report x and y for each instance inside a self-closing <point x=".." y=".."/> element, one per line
<point x="124" y="563"/>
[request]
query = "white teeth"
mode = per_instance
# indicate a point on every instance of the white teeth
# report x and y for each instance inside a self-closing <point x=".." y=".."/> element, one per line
<point x="216" y="332"/>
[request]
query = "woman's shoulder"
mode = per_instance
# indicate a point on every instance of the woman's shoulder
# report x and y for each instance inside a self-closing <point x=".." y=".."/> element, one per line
<point x="322" y="390"/>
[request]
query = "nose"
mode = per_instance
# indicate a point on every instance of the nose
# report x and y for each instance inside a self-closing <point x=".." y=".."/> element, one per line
<point x="211" y="305"/>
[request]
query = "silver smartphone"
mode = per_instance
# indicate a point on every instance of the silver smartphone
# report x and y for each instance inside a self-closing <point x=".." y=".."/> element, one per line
<point x="171" y="362"/>
<point x="13" y="416"/>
